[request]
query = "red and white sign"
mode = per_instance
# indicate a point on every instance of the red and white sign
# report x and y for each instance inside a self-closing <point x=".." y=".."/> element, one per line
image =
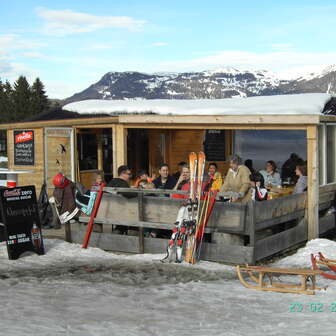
<point x="23" y="137"/>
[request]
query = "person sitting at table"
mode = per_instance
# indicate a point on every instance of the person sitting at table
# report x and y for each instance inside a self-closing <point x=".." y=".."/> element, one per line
<point x="122" y="181"/>
<point x="237" y="180"/>
<point x="164" y="180"/>
<point x="259" y="192"/>
<point x="289" y="167"/>
<point x="180" y="166"/>
<point x="183" y="183"/>
<point x="142" y="175"/>
<point x="215" y="176"/>
<point x="302" y="182"/>
<point x="270" y="175"/>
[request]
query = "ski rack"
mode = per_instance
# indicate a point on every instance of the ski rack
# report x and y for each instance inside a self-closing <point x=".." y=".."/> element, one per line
<point x="321" y="260"/>
<point x="259" y="275"/>
<point x="93" y="216"/>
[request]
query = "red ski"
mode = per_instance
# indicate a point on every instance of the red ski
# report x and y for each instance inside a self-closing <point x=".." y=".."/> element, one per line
<point x="196" y="219"/>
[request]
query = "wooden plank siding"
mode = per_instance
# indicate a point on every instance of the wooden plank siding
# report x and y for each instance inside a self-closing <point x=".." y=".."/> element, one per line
<point x="174" y="145"/>
<point x="212" y="252"/>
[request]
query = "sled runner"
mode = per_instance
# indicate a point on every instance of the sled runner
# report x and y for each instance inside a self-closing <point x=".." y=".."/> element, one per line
<point x="321" y="260"/>
<point x="331" y="263"/>
<point x="263" y="279"/>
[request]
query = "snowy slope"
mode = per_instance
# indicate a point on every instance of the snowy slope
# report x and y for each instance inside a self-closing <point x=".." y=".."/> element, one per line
<point x="310" y="103"/>
<point x="71" y="291"/>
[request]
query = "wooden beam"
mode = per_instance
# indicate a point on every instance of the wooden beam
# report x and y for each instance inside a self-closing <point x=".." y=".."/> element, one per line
<point x="100" y="150"/>
<point x="188" y="126"/>
<point x="141" y="218"/>
<point x="83" y="122"/>
<point x="326" y="118"/>
<point x="221" y="119"/>
<point x="119" y="140"/>
<point x="313" y="182"/>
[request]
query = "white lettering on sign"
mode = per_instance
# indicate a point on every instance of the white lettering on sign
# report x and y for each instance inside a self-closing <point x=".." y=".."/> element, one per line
<point x="24" y="136"/>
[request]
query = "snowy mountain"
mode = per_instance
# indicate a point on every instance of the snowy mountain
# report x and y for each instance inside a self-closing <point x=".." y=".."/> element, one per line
<point x="215" y="84"/>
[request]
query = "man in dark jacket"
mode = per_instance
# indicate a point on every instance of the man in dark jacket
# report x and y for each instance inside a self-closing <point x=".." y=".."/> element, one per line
<point x="122" y="181"/>
<point x="164" y="181"/>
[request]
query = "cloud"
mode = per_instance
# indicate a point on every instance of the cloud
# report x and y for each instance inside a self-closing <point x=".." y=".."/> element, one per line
<point x="159" y="44"/>
<point x="62" y="90"/>
<point x="15" y="42"/>
<point x="32" y="54"/>
<point x="286" y="63"/>
<point x="281" y="46"/>
<point x="12" y="70"/>
<point x="65" y="22"/>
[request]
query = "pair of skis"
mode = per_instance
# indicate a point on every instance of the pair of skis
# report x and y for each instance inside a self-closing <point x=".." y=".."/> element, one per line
<point x="192" y="217"/>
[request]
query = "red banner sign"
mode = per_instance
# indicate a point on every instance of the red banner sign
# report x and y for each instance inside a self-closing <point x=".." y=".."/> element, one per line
<point x="23" y="137"/>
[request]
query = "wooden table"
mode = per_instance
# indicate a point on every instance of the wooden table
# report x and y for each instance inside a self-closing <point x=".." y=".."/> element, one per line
<point x="276" y="192"/>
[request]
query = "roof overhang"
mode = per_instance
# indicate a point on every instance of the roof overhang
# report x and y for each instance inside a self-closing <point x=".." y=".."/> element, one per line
<point x="62" y="123"/>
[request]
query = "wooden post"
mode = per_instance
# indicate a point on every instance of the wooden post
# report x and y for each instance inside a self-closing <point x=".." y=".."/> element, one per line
<point x="67" y="230"/>
<point x="99" y="150"/>
<point x="141" y="219"/>
<point x="313" y="183"/>
<point x="251" y="228"/>
<point x="119" y="140"/>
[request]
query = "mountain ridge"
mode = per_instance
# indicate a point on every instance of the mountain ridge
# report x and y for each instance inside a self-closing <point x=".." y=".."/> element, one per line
<point x="226" y="82"/>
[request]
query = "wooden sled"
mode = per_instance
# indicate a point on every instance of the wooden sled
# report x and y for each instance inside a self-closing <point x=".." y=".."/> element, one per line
<point x="263" y="279"/>
<point x="331" y="264"/>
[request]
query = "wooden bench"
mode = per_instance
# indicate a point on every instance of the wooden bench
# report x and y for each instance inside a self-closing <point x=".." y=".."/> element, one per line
<point x="306" y="275"/>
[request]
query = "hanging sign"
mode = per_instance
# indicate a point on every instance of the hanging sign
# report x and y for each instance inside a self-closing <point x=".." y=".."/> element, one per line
<point x="214" y="145"/>
<point x="24" y="149"/>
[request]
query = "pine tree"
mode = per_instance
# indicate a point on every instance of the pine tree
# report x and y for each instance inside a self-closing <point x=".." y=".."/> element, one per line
<point x="39" y="99"/>
<point x="22" y="99"/>
<point x="3" y="114"/>
<point x="9" y="104"/>
<point x="6" y="103"/>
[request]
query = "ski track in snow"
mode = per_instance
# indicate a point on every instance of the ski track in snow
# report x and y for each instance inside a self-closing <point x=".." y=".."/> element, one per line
<point x="72" y="291"/>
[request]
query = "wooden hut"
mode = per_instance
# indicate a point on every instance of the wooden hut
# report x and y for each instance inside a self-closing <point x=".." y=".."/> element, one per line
<point x="144" y="134"/>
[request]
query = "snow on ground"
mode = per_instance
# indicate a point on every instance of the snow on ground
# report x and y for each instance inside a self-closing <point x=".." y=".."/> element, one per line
<point x="72" y="291"/>
<point x="308" y="103"/>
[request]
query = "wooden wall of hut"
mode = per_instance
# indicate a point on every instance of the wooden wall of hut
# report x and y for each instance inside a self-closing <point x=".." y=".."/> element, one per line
<point x="174" y="146"/>
<point x="37" y="177"/>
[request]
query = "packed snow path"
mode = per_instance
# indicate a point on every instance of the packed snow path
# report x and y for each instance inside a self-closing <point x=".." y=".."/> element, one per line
<point x="71" y="291"/>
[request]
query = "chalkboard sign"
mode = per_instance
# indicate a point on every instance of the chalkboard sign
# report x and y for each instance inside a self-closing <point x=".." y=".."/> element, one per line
<point x="24" y="152"/>
<point x="22" y="223"/>
<point x="214" y="145"/>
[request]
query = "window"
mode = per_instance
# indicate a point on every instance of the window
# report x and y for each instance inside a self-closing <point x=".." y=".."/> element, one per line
<point x="331" y="151"/>
<point x="263" y="145"/>
<point x="327" y="154"/>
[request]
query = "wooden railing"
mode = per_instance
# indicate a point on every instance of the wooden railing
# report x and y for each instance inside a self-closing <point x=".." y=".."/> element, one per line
<point x="268" y="227"/>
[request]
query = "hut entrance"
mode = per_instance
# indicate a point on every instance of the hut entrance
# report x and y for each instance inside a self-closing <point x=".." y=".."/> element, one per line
<point x="58" y="154"/>
<point x="94" y="154"/>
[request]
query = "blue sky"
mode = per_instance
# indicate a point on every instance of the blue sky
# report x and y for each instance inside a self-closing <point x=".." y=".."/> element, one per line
<point x="72" y="44"/>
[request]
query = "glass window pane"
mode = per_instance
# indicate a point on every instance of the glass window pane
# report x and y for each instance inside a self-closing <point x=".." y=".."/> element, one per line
<point x="264" y="145"/>
<point x="321" y="154"/>
<point x="331" y="157"/>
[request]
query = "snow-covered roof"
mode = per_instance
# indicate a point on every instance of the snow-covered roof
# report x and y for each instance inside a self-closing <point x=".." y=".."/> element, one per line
<point x="298" y="104"/>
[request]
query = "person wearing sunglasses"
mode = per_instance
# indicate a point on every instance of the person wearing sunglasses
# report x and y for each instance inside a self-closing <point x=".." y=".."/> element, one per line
<point x="122" y="181"/>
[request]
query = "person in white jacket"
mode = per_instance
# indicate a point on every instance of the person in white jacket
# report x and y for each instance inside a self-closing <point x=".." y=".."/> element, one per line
<point x="271" y="176"/>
